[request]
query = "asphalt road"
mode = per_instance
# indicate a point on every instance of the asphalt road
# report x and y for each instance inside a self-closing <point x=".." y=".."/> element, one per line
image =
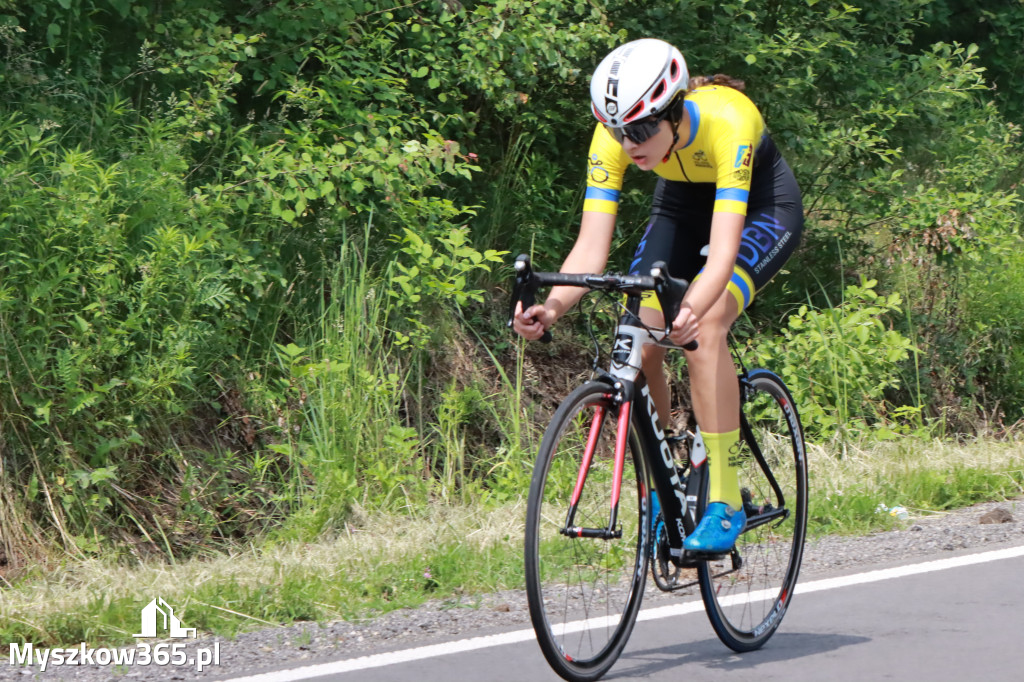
<point x="952" y="618"/>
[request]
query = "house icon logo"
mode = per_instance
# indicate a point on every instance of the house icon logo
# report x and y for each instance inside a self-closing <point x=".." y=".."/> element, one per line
<point x="159" y="610"/>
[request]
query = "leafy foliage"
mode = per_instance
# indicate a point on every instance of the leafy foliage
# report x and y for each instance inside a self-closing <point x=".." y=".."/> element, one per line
<point x="839" y="362"/>
<point x="244" y="244"/>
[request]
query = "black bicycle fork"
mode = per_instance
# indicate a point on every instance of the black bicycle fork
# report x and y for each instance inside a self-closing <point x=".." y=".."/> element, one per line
<point x="758" y="515"/>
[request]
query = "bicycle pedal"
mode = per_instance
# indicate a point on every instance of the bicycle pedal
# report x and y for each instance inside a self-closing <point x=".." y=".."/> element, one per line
<point x="692" y="558"/>
<point x="675" y="437"/>
<point x="753" y="510"/>
<point x="682" y="558"/>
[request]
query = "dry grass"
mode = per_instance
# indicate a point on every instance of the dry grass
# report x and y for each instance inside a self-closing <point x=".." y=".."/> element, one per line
<point x="876" y="466"/>
<point x="392" y="550"/>
<point x="384" y="561"/>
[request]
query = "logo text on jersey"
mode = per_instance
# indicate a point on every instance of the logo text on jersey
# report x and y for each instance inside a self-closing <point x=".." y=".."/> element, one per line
<point x="742" y="156"/>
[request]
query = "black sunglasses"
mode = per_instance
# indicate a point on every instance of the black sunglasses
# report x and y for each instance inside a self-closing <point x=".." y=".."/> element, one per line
<point x="638" y="131"/>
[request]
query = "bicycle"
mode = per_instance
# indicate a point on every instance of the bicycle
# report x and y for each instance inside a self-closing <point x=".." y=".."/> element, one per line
<point x="597" y="517"/>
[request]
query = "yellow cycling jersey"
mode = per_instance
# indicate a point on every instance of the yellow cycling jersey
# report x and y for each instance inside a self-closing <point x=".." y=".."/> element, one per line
<point x="725" y="129"/>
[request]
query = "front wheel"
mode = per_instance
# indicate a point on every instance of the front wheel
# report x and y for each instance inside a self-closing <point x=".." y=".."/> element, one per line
<point x="747" y="592"/>
<point x="584" y="587"/>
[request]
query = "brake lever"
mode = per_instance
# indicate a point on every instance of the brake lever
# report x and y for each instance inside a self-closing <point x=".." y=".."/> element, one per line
<point x="525" y="291"/>
<point x="670" y="292"/>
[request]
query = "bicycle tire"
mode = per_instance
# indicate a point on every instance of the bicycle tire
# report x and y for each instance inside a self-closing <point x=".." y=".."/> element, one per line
<point x="584" y="593"/>
<point x="746" y="603"/>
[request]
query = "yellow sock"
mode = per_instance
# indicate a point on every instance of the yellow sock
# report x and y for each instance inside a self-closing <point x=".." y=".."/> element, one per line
<point x="723" y="467"/>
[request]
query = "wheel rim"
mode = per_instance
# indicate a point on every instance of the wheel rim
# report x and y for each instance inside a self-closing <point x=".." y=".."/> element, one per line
<point x="750" y="596"/>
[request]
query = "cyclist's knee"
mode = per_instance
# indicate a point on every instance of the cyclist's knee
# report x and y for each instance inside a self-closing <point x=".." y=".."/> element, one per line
<point x="716" y="325"/>
<point x="717" y="321"/>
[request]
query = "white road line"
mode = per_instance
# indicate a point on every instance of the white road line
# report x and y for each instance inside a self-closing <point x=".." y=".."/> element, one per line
<point x="474" y="643"/>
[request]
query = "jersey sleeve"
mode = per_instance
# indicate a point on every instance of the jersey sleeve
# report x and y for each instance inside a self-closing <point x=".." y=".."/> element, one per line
<point x="738" y="133"/>
<point x="606" y="164"/>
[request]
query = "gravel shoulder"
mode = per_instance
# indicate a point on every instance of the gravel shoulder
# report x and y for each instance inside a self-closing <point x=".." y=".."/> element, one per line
<point x="979" y="528"/>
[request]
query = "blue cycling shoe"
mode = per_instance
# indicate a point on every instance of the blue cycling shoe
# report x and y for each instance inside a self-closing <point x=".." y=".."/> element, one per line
<point x="718" y="529"/>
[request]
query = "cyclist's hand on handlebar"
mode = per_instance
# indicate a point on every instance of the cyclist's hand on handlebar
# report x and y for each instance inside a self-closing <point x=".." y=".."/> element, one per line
<point x="684" y="328"/>
<point x="532" y="324"/>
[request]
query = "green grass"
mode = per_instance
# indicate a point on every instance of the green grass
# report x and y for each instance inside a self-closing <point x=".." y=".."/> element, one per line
<point x="926" y="477"/>
<point x="387" y="561"/>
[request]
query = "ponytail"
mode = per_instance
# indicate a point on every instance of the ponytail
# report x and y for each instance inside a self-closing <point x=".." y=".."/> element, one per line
<point x="717" y="79"/>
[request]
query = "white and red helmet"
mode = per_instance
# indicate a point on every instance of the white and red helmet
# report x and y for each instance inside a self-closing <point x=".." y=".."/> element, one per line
<point x="637" y="80"/>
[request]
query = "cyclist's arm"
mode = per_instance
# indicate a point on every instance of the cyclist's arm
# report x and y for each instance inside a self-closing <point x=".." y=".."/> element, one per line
<point x="737" y="129"/>
<point x="606" y="163"/>
<point x="589" y="254"/>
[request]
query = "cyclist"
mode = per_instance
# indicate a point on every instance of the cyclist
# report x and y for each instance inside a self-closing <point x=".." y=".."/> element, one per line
<point x="726" y="214"/>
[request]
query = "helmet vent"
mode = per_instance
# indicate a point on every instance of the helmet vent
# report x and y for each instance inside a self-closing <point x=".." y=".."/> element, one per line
<point x="673" y="71"/>
<point x="659" y="91"/>
<point x="634" y="112"/>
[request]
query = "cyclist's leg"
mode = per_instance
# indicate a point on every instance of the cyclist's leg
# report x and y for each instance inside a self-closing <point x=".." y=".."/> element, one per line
<point x="716" y="404"/>
<point x="675" y="234"/>
<point x="653" y="361"/>
<point x="655" y="245"/>
<point x="771" y="232"/>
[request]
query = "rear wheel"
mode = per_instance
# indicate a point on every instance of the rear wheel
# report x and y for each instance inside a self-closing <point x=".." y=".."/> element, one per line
<point x="584" y="592"/>
<point x="747" y="592"/>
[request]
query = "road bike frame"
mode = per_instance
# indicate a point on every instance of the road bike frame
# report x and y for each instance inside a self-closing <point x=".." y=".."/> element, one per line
<point x="628" y="391"/>
<point x="633" y="407"/>
<point x="678" y="498"/>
